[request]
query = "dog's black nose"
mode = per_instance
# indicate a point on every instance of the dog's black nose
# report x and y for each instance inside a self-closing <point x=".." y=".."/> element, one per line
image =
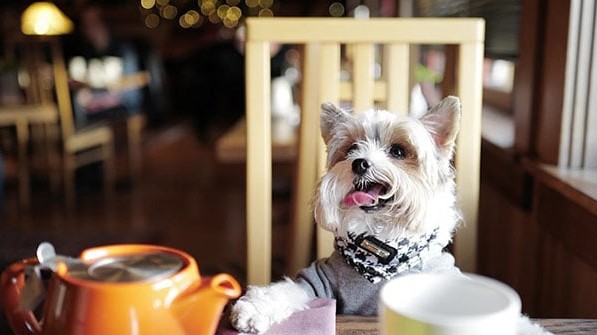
<point x="360" y="166"/>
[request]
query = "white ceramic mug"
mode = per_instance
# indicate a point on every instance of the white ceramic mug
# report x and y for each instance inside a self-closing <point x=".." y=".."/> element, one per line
<point x="436" y="304"/>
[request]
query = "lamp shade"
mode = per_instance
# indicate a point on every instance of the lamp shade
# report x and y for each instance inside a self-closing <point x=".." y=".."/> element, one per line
<point x="44" y="18"/>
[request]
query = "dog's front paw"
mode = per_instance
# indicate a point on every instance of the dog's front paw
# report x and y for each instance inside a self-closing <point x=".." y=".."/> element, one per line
<point x="247" y="318"/>
<point x="262" y="307"/>
<point x="527" y="327"/>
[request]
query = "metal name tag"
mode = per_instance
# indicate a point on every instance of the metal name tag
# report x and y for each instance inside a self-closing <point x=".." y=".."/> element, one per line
<point x="384" y="252"/>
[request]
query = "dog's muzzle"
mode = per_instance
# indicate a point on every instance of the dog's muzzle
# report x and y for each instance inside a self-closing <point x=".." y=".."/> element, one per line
<point x="366" y="196"/>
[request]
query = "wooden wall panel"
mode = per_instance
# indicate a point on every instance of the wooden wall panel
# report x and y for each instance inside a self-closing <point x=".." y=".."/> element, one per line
<point x="551" y="100"/>
<point x="568" y="285"/>
<point x="527" y="66"/>
<point x="568" y="256"/>
<point x="540" y="74"/>
<point x="537" y="232"/>
<point x="508" y="245"/>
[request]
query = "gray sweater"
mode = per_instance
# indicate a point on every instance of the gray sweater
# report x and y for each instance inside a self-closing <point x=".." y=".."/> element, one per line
<point x="333" y="278"/>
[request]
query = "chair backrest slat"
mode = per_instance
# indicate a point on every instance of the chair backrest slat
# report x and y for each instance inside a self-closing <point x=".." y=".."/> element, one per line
<point x="63" y="97"/>
<point x="468" y="150"/>
<point x="309" y="126"/>
<point x="363" y="61"/>
<point x="259" y="168"/>
<point x="379" y="91"/>
<point x="329" y="72"/>
<point x="396" y="74"/>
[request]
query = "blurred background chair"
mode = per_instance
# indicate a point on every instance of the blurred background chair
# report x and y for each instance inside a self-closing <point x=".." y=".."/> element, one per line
<point x="22" y="117"/>
<point x="80" y="146"/>
<point x="331" y="48"/>
<point x="109" y="80"/>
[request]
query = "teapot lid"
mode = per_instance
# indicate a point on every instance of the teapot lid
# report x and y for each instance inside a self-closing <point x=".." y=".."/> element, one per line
<point x="131" y="268"/>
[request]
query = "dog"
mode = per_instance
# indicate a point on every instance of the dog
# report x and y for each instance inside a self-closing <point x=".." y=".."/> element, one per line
<point x="389" y="198"/>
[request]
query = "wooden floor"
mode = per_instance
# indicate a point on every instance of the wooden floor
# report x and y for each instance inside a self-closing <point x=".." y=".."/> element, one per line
<point x="185" y="199"/>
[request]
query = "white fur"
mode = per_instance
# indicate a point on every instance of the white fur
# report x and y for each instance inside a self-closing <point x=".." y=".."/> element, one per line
<point x="526" y="327"/>
<point x="419" y="198"/>
<point x="262" y="307"/>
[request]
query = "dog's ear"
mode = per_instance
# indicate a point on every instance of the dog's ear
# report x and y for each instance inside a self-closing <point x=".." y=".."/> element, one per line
<point x="330" y="117"/>
<point x="443" y="123"/>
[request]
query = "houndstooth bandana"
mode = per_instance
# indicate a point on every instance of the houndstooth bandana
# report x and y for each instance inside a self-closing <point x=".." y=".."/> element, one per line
<point x="381" y="260"/>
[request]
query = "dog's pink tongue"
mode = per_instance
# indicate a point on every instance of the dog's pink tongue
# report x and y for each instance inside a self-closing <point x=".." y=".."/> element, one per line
<point x="361" y="198"/>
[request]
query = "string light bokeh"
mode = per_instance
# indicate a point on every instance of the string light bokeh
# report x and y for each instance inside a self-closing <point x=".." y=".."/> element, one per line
<point x="230" y="13"/>
<point x="194" y="14"/>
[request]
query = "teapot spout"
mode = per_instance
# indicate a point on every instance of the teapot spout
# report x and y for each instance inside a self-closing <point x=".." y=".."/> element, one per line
<point x="199" y="311"/>
<point x="226" y="286"/>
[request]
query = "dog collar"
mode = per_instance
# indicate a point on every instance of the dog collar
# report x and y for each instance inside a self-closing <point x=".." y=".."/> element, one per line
<point x="378" y="260"/>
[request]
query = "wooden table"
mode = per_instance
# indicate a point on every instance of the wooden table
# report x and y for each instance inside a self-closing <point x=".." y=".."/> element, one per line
<point x="362" y="325"/>
<point x="21" y="117"/>
<point x="231" y="147"/>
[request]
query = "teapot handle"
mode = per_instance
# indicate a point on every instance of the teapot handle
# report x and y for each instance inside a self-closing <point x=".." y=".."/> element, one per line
<point x="12" y="281"/>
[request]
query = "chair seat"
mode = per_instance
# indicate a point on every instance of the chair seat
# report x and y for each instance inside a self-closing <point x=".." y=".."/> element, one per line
<point x="89" y="137"/>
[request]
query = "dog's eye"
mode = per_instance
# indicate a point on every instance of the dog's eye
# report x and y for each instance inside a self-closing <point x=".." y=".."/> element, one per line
<point x="398" y="151"/>
<point x="352" y="148"/>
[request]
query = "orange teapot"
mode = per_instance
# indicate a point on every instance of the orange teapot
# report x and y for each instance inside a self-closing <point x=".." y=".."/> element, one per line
<point x="118" y="289"/>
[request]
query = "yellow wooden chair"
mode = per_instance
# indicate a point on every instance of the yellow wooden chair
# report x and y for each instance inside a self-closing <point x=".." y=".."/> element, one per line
<point x="80" y="146"/>
<point x="322" y="39"/>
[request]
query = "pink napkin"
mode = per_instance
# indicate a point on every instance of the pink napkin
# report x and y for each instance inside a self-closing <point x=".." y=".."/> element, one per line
<point x="319" y="319"/>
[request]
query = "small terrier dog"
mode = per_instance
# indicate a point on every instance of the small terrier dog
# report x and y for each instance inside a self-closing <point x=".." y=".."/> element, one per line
<point x="389" y="198"/>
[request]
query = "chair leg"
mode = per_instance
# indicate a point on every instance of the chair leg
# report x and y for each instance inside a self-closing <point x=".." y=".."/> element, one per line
<point x="135" y="124"/>
<point x="53" y="157"/>
<point x="24" y="178"/>
<point x="69" y="180"/>
<point x="109" y="173"/>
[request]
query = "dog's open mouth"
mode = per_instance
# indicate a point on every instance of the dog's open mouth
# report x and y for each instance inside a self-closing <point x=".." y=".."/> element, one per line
<point x="366" y="197"/>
